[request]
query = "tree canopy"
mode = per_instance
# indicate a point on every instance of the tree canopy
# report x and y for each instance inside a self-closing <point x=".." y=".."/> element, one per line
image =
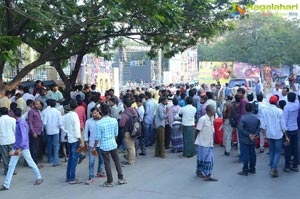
<point x="58" y="30"/>
<point x="257" y="39"/>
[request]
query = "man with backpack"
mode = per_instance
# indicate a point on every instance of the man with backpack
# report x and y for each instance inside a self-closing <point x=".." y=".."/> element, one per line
<point x="126" y="122"/>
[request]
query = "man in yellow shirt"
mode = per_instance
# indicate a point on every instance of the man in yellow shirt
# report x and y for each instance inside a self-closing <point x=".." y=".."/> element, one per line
<point x="5" y="101"/>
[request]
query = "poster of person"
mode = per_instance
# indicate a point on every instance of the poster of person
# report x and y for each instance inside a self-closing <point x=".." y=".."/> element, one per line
<point x="280" y="73"/>
<point x="215" y="71"/>
<point x="267" y="75"/>
<point x="245" y="70"/>
<point x="103" y="83"/>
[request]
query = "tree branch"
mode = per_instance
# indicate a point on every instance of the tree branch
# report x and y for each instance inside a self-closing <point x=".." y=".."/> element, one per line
<point x="9" y="16"/>
<point x="24" y="72"/>
<point x="18" y="29"/>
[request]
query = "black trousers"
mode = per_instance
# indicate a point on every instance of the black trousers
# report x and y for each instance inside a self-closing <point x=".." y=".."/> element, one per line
<point x="168" y="132"/>
<point x="115" y="156"/>
<point x="34" y="147"/>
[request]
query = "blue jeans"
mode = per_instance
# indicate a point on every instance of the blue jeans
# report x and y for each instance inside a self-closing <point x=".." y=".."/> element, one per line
<point x="92" y="160"/>
<point x="53" y="141"/>
<point x="12" y="165"/>
<point x="291" y="150"/>
<point x="149" y="138"/>
<point x="123" y="145"/>
<point x="248" y="157"/>
<point x="72" y="162"/>
<point x="275" y="146"/>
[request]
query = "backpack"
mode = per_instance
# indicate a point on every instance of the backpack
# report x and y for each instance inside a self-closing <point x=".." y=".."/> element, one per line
<point x="134" y="126"/>
<point x="255" y="107"/>
<point x="234" y="117"/>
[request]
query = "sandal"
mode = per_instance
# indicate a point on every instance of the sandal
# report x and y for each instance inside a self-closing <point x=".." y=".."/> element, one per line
<point x="199" y="174"/>
<point x="210" y="179"/>
<point x="89" y="182"/>
<point x="101" y="175"/>
<point x="76" y="181"/>
<point x="38" y="182"/>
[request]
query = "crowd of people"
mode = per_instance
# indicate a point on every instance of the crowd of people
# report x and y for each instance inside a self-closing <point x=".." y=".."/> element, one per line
<point x="176" y="118"/>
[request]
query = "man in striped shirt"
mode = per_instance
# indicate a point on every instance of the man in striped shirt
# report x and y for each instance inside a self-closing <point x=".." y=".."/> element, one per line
<point x="273" y="126"/>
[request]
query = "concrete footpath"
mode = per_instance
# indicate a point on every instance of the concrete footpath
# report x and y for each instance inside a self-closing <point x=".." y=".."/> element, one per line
<point x="154" y="178"/>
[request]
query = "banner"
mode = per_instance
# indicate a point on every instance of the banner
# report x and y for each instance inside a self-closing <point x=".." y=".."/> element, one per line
<point x="245" y="70"/>
<point x="211" y="72"/>
<point x="94" y="70"/>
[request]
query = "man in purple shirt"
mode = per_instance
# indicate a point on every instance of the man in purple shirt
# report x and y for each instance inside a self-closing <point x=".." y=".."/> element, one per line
<point x="21" y="146"/>
<point x="242" y="111"/>
<point x="35" y="129"/>
<point x="242" y="108"/>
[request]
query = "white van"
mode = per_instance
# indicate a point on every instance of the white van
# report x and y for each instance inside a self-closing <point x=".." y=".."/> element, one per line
<point x="249" y="84"/>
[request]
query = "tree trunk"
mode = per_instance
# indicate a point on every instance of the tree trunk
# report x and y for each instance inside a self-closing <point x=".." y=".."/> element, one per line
<point x="62" y="75"/>
<point x="74" y="73"/>
<point x="2" y="63"/>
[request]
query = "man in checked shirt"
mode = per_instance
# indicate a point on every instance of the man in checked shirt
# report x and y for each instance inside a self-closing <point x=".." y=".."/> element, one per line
<point x="106" y="133"/>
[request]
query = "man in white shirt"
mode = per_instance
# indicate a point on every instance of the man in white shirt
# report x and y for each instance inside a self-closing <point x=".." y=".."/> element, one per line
<point x="261" y="106"/>
<point x="91" y="105"/>
<point x="277" y="90"/>
<point x="72" y="127"/>
<point x="29" y="104"/>
<point x="7" y="136"/>
<point x="26" y="96"/>
<point x="141" y="141"/>
<point x="114" y="112"/>
<point x="52" y="121"/>
<point x="273" y="126"/>
<point x="205" y="142"/>
<point x="284" y="93"/>
<point x="187" y="114"/>
<point x="210" y="100"/>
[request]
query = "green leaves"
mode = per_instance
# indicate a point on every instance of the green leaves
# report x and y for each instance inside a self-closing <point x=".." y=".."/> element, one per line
<point x="258" y="40"/>
<point x="58" y="30"/>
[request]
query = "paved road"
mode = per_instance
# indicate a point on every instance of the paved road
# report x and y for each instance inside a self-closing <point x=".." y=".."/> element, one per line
<point x="153" y="178"/>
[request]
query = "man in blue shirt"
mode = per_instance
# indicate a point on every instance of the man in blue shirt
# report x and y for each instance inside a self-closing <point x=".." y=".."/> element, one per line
<point x="160" y="120"/>
<point x="227" y="91"/>
<point x="290" y="114"/>
<point x="106" y="132"/>
<point x="89" y="139"/>
<point x="248" y="129"/>
<point x="258" y="88"/>
<point x="148" y="119"/>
